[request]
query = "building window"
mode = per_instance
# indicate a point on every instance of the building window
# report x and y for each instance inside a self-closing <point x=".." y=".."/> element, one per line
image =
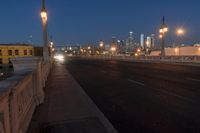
<point x="0" y="52"/>
<point x="25" y="52"/>
<point x="31" y="52"/>
<point x="10" y="52"/>
<point x="16" y="52"/>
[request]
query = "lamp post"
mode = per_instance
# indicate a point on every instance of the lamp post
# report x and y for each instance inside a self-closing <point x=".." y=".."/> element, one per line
<point x="179" y="32"/>
<point x="44" y="17"/>
<point x="101" y="47"/>
<point x="163" y="30"/>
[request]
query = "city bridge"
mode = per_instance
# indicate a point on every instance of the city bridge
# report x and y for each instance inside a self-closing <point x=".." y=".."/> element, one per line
<point x="101" y="94"/>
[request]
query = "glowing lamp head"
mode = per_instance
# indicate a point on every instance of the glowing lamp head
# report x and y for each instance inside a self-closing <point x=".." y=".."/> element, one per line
<point x="160" y="36"/>
<point x="44" y="15"/>
<point x="165" y="29"/>
<point x="180" y="31"/>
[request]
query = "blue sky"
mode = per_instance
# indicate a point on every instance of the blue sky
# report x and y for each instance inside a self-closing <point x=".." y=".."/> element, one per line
<point x="88" y="21"/>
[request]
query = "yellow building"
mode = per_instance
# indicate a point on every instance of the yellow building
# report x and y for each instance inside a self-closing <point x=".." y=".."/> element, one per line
<point x="8" y="51"/>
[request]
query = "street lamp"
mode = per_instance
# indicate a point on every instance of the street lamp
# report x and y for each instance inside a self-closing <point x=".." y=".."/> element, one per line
<point x="180" y="31"/>
<point x="101" y="47"/>
<point x="44" y="17"/>
<point x="163" y="30"/>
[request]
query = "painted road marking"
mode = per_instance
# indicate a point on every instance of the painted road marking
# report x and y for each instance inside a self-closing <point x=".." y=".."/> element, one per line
<point x="135" y="82"/>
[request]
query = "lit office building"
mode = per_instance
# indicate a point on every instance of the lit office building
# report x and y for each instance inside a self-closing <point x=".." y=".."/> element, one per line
<point x="130" y="45"/>
<point x="150" y="42"/>
<point x="142" y="41"/>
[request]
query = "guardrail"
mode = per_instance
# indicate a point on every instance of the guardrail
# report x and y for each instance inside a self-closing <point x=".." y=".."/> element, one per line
<point x="171" y="59"/>
<point x="22" y="93"/>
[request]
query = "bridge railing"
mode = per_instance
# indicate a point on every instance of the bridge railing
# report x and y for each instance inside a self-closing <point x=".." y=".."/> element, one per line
<point x="172" y="59"/>
<point x="22" y="93"/>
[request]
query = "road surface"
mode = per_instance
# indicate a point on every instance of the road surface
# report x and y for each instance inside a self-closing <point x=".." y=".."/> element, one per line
<point x="142" y="97"/>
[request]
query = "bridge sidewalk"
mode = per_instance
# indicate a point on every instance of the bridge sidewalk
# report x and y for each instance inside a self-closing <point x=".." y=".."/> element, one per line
<point x="67" y="108"/>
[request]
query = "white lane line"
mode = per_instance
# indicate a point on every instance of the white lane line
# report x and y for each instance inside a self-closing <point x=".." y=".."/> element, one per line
<point x="191" y="79"/>
<point x="135" y="82"/>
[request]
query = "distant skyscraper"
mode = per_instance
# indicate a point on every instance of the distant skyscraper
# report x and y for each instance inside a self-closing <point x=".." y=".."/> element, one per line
<point x="152" y="41"/>
<point x="130" y="43"/>
<point x="114" y="43"/>
<point x="148" y="42"/>
<point x="114" y="40"/>
<point x="142" y="40"/>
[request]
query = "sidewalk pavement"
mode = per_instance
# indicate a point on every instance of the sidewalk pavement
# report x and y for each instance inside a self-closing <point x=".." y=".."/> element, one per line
<point x="67" y="108"/>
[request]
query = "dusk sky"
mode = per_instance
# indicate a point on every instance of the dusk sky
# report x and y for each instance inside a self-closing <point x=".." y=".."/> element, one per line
<point x="88" y="21"/>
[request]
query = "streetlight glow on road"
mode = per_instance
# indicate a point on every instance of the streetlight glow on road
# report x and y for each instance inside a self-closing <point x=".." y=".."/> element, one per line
<point x="59" y="57"/>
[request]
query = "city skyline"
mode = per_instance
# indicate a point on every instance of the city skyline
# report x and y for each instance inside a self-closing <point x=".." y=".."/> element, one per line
<point x="89" y="22"/>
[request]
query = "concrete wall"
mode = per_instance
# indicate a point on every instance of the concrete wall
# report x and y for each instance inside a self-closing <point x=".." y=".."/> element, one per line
<point x="168" y="59"/>
<point x="21" y="94"/>
<point x="179" y="51"/>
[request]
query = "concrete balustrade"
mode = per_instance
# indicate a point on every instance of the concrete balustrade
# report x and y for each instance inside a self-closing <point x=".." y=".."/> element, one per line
<point x="167" y="59"/>
<point x="22" y="93"/>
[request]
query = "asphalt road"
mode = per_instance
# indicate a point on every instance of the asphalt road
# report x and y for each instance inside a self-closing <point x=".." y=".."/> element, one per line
<point x="142" y="97"/>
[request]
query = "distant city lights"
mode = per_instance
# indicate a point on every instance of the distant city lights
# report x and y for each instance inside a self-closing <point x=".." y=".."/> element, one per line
<point x="113" y="49"/>
<point x="176" y="49"/>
